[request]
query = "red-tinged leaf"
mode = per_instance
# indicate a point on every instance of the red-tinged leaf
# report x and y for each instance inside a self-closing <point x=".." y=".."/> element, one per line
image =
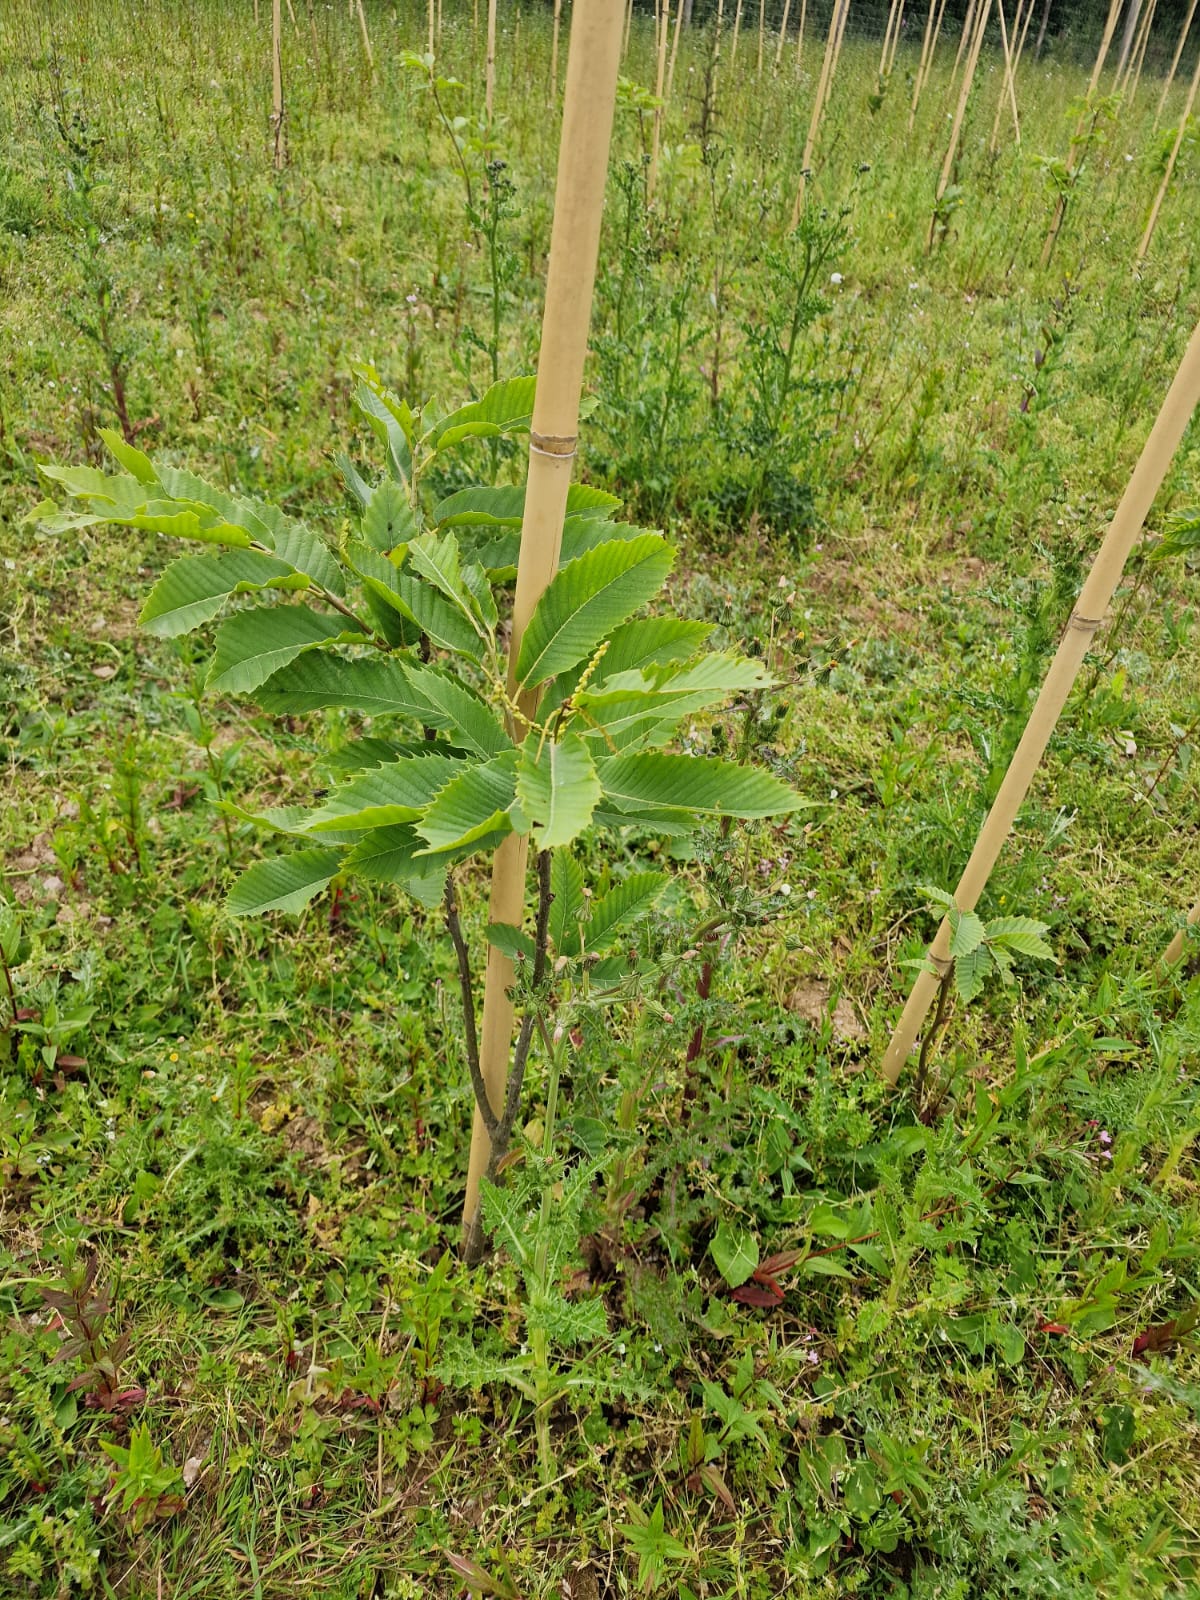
<point x="1051" y="1327"/>
<point x="26" y="1015"/>
<point x="717" y="1484"/>
<point x="1162" y="1335"/>
<point x="757" y="1294"/>
<point x="473" y="1575"/>
<point x="358" y="1402"/>
<point x="774" y="1265"/>
<point x="60" y="1302"/>
<point x="71" y="1063"/>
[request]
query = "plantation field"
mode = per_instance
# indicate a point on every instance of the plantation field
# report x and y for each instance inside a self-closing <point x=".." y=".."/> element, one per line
<point x="756" y="1323"/>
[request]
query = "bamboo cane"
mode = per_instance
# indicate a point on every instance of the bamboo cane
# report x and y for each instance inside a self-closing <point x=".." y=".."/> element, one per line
<point x="800" y="35"/>
<point x="737" y="28"/>
<point x="787" y="6"/>
<point x="1135" y="77"/>
<point x="292" y="16"/>
<point x="1152" y="220"/>
<point x="1132" y="17"/>
<point x="674" y="50"/>
<point x="277" y="86"/>
<point x="1008" y="79"/>
<point x="1126" y="65"/>
<point x="489" y="80"/>
<point x="1024" y="31"/>
<point x="966" y="37"/>
<point x="593" y="57"/>
<point x="891" y="60"/>
<point x="430" y="23"/>
<point x="664" y="34"/>
<point x="762" y="35"/>
<point x="554" y="52"/>
<point x="1174" y="950"/>
<point x="831" y="44"/>
<point x="837" y="53"/>
<point x="894" y="9"/>
<point x="1075" y="156"/>
<point x="960" y="111"/>
<point x="1093" y="602"/>
<point x="1012" y="58"/>
<point x="926" y="65"/>
<point x="1175" y="59"/>
<point x="628" y="29"/>
<point x="366" y="38"/>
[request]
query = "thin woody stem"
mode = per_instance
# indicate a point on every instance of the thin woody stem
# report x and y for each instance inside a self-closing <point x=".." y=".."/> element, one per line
<point x="454" y="927"/>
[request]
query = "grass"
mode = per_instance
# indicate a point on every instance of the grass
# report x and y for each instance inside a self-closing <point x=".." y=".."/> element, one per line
<point x="981" y="1381"/>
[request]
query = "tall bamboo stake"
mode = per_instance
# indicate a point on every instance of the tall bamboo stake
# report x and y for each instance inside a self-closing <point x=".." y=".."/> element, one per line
<point x="927" y="53"/>
<point x="277" y="86"/>
<point x="831" y="44"/>
<point x="593" y="57"/>
<point x="787" y="6"/>
<point x="966" y="37"/>
<point x="554" y="52"/>
<point x="960" y="111"/>
<point x="674" y="50"/>
<point x="737" y="28"/>
<point x="837" y="52"/>
<point x="431" y="21"/>
<point x="664" y="34"/>
<point x="628" y="29"/>
<point x="1093" y="602"/>
<point x="366" y="38"/>
<point x="1132" y="18"/>
<point x="1174" y="950"/>
<point x="1152" y="220"/>
<point x="892" y="24"/>
<point x="1135" y="75"/>
<point x="800" y="35"/>
<point x="1012" y="59"/>
<point x="1008" y="78"/>
<point x="891" y="60"/>
<point x="489" y="79"/>
<point x="762" y="35"/>
<point x="1166" y="88"/>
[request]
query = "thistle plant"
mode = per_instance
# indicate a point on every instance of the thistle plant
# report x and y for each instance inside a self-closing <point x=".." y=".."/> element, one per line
<point x="404" y="625"/>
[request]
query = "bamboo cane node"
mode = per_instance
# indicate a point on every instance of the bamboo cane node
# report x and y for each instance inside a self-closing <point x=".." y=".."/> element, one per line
<point x="1084" y="624"/>
<point x="553" y="444"/>
<point x="942" y="964"/>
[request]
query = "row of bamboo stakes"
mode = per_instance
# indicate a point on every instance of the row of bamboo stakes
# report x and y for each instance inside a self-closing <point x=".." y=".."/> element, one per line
<point x="598" y="31"/>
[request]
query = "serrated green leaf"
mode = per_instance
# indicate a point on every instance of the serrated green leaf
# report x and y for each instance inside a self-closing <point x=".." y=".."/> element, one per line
<point x="136" y="462"/>
<point x="418" y="603"/>
<point x="292" y="542"/>
<point x="390" y="855"/>
<point x="387" y="519"/>
<point x="613" y="912"/>
<point x="471" y="722"/>
<point x="194" y="588"/>
<point x="967" y="932"/>
<point x="389" y="418"/>
<point x="321" y="679"/>
<point x="511" y="941"/>
<point x="1021" y="934"/>
<point x="970" y="970"/>
<point x="285" y="883"/>
<point x="252" y="645"/>
<point x="396" y="792"/>
<point x="472" y="807"/>
<point x="505" y="505"/>
<point x="566" y="886"/>
<point x="557" y="787"/>
<point x="586" y="600"/>
<point x="699" y="784"/>
<point x="507" y="407"/>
